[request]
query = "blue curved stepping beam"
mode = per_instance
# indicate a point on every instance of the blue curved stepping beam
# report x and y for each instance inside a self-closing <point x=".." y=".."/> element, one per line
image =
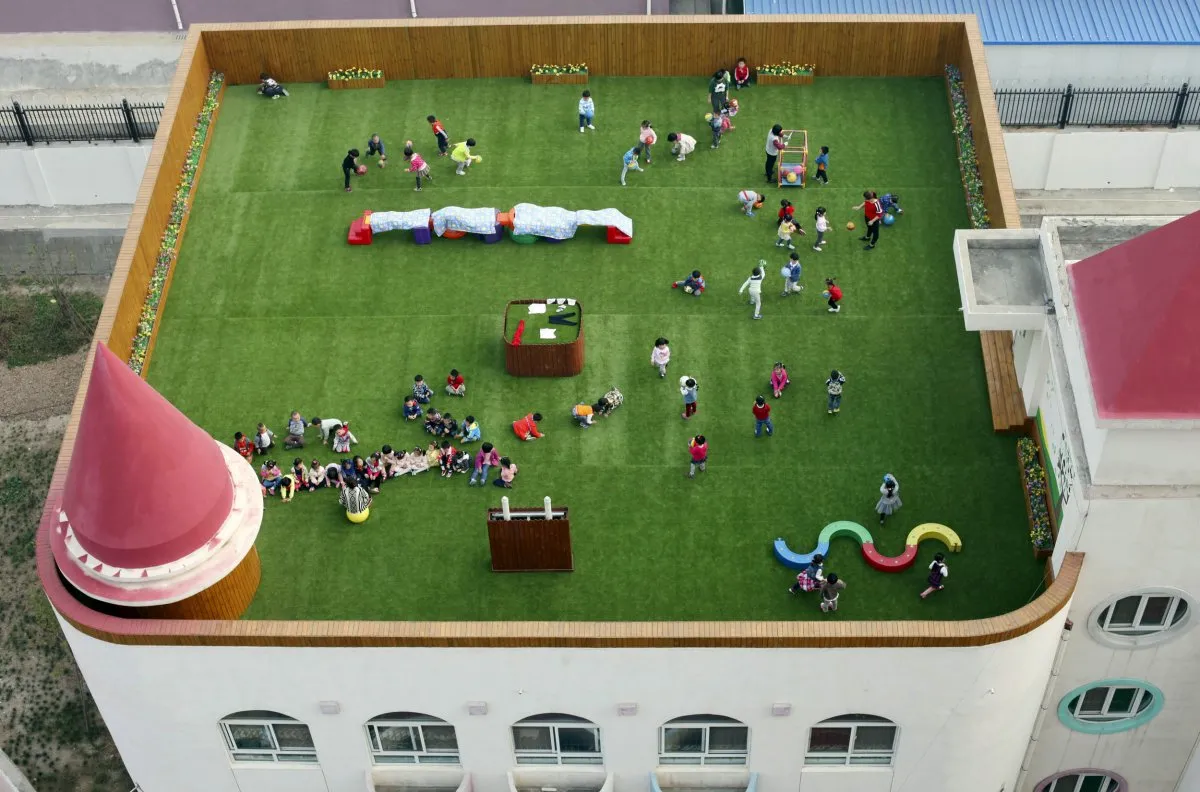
<point x="789" y="558"/>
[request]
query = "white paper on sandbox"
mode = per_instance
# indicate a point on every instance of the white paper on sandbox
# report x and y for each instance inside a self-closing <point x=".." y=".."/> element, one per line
<point x="548" y="332"/>
<point x="537" y="308"/>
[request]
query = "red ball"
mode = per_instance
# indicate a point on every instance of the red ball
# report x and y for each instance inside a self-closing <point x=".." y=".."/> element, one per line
<point x="362" y="169"/>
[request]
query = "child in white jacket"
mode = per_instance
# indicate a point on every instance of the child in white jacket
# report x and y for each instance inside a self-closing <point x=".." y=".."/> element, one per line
<point x="754" y="284"/>
<point x="587" y="112"/>
<point x="660" y="356"/>
<point x="822" y="223"/>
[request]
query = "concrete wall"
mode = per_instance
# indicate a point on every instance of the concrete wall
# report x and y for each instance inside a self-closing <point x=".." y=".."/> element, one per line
<point x="1092" y="66"/>
<point x="964" y="714"/>
<point x="85" y="62"/>
<point x="72" y="174"/>
<point x="1093" y="159"/>
<point x="70" y="249"/>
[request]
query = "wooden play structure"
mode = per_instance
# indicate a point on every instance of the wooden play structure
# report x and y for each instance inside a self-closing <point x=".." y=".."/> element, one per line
<point x="793" y="160"/>
<point x="564" y="359"/>
<point x="530" y="540"/>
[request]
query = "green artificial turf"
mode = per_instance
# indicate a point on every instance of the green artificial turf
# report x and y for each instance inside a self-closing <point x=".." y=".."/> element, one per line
<point x="272" y="311"/>
<point x="535" y="323"/>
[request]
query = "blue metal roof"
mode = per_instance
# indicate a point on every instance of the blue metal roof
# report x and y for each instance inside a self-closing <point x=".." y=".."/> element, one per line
<point x="1032" y="21"/>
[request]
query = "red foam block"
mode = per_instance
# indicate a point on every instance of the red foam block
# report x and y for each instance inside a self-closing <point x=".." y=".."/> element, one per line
<point x="360" y="233"/>
<point x="617" y="237"/>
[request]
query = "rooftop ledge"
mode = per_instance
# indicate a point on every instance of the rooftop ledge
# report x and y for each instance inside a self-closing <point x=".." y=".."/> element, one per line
<point x="1001" y="279"/>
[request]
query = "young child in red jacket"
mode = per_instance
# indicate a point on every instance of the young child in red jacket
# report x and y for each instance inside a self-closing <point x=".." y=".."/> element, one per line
<point x="527" y="428"/>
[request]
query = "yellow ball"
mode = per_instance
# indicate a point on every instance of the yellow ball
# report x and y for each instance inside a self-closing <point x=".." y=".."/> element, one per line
<point x="791" y="177"/>
<point x="708" y="116"/>
<point x="849" y="226"/>
<point x="478" y="158"/>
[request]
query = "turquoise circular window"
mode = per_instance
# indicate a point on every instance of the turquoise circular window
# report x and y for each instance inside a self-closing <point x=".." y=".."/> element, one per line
<point x="1110" y="706"/>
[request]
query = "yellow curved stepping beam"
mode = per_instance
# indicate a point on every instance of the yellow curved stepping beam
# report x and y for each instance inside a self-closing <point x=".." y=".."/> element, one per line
<point x="942" y="533"/>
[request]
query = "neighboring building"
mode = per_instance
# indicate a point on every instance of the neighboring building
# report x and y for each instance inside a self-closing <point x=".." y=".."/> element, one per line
<point x="1050" y="44"/>
<point x="1106" y="313"/>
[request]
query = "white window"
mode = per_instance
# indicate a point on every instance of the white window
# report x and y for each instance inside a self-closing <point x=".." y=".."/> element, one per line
<point x="1081" y="781"/>
<point x="704" y="740"/>
<point x="1141" y="618"/>
<point x="1107" y="703"/>
<point x="852" y="740"/>
<point x="411" y="738"/>
<point x="556" y="739"/>
<point x="263" y="736"/>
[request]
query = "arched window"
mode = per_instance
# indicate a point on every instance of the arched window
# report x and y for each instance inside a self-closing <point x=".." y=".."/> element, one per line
<point x="553" y="738"/>
<point x="1083" y="780"/>
<point x="265" y="736"/>
<point x="411" y="738"/>
<point x="852" y="740"/>
<point x="1109" y="706"/>
<point x="1141" y="618"/>
<point x="703" y="740"/>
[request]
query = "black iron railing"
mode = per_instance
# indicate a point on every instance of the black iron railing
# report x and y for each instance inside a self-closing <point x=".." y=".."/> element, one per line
<point x="79" y="123"/>
<point x="1110" y="107"/>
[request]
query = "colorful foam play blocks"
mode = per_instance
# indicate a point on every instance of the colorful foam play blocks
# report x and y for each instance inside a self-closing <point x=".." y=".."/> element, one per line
<point x="360" y="233"/>
<point x="422" y="236"/>
<point x="617" y="237"/>
<point x="496" y="235"/>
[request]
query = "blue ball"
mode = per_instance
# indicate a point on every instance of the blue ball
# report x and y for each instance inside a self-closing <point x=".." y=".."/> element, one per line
<point x="889" y="218"/>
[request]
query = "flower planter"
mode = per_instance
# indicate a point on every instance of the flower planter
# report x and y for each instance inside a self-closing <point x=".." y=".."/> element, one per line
<point x="577" y="78"/>
<point x="968" y="163"/>
<point x="784" y="79"/>
<point x="1039" y="553"/>
<point x="346" y="85"/>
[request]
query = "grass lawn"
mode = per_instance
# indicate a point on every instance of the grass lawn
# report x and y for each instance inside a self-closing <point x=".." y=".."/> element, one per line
<point x="270" y="311"/>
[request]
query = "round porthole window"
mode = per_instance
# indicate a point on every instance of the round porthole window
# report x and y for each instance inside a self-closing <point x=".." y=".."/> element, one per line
<point x="1086" y="779"/>
<point x="1141" y="618"/>
<point x="1109" y="706"/>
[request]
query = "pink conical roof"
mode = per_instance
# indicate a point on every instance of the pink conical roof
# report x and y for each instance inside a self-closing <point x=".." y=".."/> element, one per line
<point x="146" y="486"/>
<point x="1139" y="308"/>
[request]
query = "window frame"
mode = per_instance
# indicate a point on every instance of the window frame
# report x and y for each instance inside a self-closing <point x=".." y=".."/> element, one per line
<point x="267" y="721"/>
<point x="1102" y="722"/>
<point x="1046" y="784"/>
<point x="1102" y="633"/>
<point x="554" y="756"/>
<point x="853" y="722"/>
<point x="706" y="757"/>
<point x="413" y="721"/>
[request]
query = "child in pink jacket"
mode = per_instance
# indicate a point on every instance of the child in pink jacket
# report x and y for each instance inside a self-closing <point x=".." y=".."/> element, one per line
<point x="779" y="379"/>
<point x="416" y="164"/>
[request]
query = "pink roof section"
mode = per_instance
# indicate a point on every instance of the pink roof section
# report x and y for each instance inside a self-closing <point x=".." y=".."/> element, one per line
<point x="1139" y="310"/>
<point x="146" y="486"/>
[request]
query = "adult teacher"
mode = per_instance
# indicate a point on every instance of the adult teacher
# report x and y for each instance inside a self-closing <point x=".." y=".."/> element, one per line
<point x="717" y="88"/>
<point x="775" y="145"/>
<point x="872" y="216"/>
<point x="355" y="501"/>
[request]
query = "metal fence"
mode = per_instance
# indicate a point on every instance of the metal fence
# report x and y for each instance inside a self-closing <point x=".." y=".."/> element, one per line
<point x="79" y="123"/>
<point x="1111" y="107"/>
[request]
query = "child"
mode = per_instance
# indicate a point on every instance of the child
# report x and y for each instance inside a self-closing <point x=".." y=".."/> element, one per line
<point x="754" y="284"/>
<point x="421" y="391"/>
<point x="791" y="272"/>
<point x="264" y="438"/>
<point x="698" y="453"/>
<point x="433" y="422"/>
<point x="360" y="470"/>
<point x="833" y="293"/>
<point x="392" y="465"/>
<point x="439" y="131"/>
<point x="243" y="446"/>
<point x="833" y="390"/>
<point x="610" y="401"/>
<point x="687" y="389"/>
<point x="402" y="463"/>
<point x="342" y="439"/>
<point x="811" y="576"/>
<point x="647" y="138"/>
<point x="822" y="225"/>
<point x="508" y="471"/>
<point x="299" y="471"/>
<point x="461" y="153"/>
<point x="717" y="126"/>
<point x="449" y="426"/>
<point x="681" y="145"/>
<point x="316" y="478"/>
<point x="630" y="161"/>
<point x="786" y="228"/>
<point x="693" y="284"/>
<point x="333" y="475"/>
<point x="587" y="112"/>
<point x="779" y="379"/>
<point x="741" y="74"/>
<point x="527" y="428"/>
<point x="287" y="487"/>
<point x="269" y="88"/>
<point x="762" y="417"/>
<point x="271" y="477"/>
<point x="469" y="431"/>
<point x="411" y="410"/>
<point x="660" y="356"/>
<point x="750" y="201"/>
<point x="295" y="435"/>
<point x="375" y="146"/>
<point x="786" y="211"/>
<point x="433" y="455"/>
<point x="328" y="425"/>
<point x="584" y="415"/>
<point x="890" y="202"/>
<point x="416" y="165"/>
<point x="375" y="471"/>
<point x="350" y="165"/>
<point x="822" y="161"/>
<point x="938" y="572"/>
<point x="831" y="589"/>
<point x="418" y="461"/>
<point x="455" y="384"/>
<point x="346" y="471"/>
<point x="889" y="497"/>
<point x="727" y="114"/>
<point x="486" y="458"/>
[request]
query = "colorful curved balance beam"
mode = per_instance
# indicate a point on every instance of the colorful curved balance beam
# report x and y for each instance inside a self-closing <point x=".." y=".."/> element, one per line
<point x="853" y="530"/>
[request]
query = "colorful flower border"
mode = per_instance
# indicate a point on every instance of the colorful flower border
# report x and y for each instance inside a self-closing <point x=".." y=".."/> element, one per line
<point x="968" y="163"/>
<point x="1033" y="476"/>
<point x="356" y="73"/>
<point x="787" y="69"/>
<point x="554" y="68"/>
<point x="168" y="246"/>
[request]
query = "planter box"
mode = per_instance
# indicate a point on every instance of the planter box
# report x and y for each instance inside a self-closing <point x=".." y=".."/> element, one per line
<point x="560" y="79"/>
<point x="1041" y="555"/>
<point x="346" y="85"/>
<point x="530" y="544"/>
<point x="784" y="79"/>
<point x="1038" y="553"/>
<point x="543" y="360"/>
